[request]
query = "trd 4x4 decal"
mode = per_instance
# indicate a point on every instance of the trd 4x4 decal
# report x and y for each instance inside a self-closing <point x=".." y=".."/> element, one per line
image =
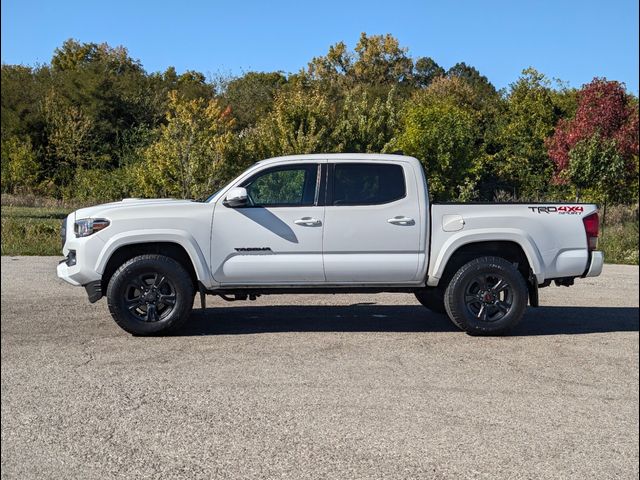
<point x="562" y="210"/>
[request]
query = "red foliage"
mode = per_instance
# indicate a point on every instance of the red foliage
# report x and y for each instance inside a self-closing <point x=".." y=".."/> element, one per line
<point x="227" y="112"/>
<point x="627" y="136"/>
<point x="604" y="108"/>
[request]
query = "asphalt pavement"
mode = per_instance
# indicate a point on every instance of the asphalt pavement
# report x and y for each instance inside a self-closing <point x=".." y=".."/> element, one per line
<point x="318" y="386"/>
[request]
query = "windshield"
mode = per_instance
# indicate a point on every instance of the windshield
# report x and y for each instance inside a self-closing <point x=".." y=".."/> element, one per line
<point x="211" y="197"/>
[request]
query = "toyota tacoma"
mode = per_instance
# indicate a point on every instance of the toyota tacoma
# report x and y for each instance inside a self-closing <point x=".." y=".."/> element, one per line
<point x="327" y="224"/>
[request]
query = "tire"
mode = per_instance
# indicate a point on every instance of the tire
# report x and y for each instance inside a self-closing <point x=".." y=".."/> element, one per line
<point x="486" y="296"/>
<point x="432" y="298"/>
<point x="150" y="295"/>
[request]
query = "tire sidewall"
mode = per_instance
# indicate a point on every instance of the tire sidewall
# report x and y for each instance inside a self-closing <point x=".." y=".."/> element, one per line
<point x="144" y="264"/>
<point x="457" y="309"/>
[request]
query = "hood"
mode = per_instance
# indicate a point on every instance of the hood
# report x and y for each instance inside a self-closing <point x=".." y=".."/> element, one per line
<point x="105" y="208"/>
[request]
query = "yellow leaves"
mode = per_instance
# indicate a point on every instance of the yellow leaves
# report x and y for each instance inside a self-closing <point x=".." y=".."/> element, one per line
<point x="299" y="123"/>
<point x="68" y="132"/>
<point x="19" y="165"/>
<point x="191" y="146"/>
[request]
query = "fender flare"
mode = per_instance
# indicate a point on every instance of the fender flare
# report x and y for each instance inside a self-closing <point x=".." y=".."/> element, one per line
<point x="453" y="243"/>
<point x="180" y="237"/>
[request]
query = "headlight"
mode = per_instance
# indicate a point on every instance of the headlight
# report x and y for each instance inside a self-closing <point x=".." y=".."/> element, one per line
<point x="88" y="226"/>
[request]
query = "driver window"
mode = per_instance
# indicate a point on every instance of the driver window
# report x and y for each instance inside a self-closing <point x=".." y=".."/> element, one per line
<point x="290" y="186"/>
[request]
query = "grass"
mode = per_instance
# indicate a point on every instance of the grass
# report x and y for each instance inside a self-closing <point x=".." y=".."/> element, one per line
<point x="32" y="230"/>
<point x="620" y="243"/>
<point x="35" y="230"/>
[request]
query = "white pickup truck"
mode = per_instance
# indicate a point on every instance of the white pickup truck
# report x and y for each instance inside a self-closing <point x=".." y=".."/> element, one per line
<point x="327" y="224"/>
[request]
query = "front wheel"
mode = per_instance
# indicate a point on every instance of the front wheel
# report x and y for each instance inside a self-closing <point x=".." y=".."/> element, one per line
<point x="486" y="296"/>
<point x="150" y="295"/>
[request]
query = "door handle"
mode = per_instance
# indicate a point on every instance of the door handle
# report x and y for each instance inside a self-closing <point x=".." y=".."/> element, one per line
<point x="308" y="222"/>
<point x="400" y="220"/>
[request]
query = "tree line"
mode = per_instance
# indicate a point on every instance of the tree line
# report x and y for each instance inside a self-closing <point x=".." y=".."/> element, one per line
<point x="94" y="125"/>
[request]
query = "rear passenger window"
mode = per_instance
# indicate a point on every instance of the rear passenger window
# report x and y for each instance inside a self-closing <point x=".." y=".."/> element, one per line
<point x="367" y="183"/>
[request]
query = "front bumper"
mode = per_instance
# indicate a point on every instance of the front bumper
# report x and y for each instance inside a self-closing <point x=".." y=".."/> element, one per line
<point x="595" y="265"/>
<point x="85" y="251"/>
<point x="75" y="275"/>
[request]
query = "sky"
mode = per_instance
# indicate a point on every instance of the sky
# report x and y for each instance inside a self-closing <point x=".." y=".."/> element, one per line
<point x="572" y="40"/>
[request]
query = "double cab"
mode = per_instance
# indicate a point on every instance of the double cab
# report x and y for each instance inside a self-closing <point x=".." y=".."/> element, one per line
<point x="327" y="224"/>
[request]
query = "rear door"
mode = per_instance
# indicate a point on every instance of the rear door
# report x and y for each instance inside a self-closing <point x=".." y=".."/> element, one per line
<point x="277" y="238"/>
<point x="372" y="223"/>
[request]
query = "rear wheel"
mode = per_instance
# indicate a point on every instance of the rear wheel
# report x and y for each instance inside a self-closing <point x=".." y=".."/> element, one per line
<point x="150" y="295"/>
<point x="432" y="298"/>
<point x="486" y="296"/>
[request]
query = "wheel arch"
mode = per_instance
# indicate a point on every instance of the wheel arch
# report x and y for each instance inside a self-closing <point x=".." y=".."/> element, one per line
<point x="485" y="240"/>
<point x="510" y="250"/>
<point x="126" y="251"/>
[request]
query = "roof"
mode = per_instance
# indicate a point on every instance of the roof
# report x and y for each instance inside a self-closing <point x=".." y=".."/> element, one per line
<point x="314" y="157"/>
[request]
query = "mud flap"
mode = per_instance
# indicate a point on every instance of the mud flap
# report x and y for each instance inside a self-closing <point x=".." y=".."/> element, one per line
<point x="532" y="286"/>
<point x="203" y="296"/>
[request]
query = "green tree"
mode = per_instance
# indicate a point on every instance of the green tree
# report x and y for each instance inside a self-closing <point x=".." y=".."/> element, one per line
<point x="301" y="122"/>
<point x="335" y="67"/>
<point x="252" y="95"/>
<point x="68" y="133"/>
<point x="442" y="136"/>
<point x="381" y="60"/>
<point x="365" y="124"/>
<point x="19" y="165"/>
<point x="377" y="60"/>
<point x="482" y="109"/>
<point x="599" y="171"/>
<point x="117" y="95"/>
<point x="190" y="148"/>
<point x="73" y="55"/>
<point x="426" y="70"/>
<point x="474" y="78"/>
<point x="522" y="160"/>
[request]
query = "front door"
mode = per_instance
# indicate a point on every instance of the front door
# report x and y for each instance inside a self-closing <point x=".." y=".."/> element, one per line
<point x="372" y="223"/>
<point x="277" y="237"/>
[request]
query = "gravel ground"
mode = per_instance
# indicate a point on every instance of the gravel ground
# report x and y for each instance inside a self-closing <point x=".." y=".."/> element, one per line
<point x="311" y="386"/>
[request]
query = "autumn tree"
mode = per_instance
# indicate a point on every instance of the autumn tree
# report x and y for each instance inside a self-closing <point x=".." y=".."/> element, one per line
<point x="601" y="139"/>
<point x="377" y="61"/>
<point x="190" y="147"/>
<point x="300" y="122"/>
<point x="365" y="124"/>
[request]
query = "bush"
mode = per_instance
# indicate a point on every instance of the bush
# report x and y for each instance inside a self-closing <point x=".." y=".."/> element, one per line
<point x="99" y="186"/>
<point x="619" y="236"/>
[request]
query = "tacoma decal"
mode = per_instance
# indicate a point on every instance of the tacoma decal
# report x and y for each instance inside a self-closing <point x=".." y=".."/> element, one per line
<point x="253" y="249"/>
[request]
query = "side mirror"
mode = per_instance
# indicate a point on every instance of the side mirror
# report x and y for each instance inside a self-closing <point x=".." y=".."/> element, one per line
<point x="237" y="197"/>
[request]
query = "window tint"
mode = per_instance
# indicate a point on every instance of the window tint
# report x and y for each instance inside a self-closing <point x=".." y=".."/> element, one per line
<point x="284" y="186"/>
<point x="367" y="183"/>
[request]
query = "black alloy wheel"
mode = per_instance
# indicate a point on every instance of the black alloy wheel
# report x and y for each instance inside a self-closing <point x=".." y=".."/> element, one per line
<point x="150" y="294"/>
<point x="486" y="296"/>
